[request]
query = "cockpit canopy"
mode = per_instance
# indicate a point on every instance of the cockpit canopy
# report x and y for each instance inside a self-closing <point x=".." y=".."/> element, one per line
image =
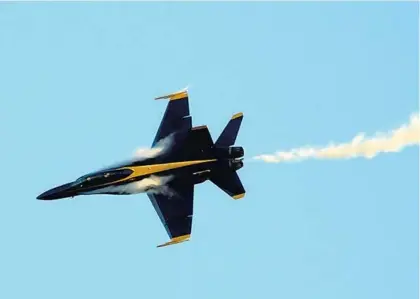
<point x="102" y="177"/>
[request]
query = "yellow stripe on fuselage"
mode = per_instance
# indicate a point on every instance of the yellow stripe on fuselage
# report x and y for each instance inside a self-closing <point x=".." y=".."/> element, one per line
<point x="144" y="170"/>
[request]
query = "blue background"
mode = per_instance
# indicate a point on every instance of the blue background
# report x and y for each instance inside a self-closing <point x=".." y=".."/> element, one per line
<point x="77" y="88"/>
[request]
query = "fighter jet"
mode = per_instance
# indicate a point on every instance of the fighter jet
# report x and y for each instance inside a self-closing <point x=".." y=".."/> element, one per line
<point x="189" y="157"/>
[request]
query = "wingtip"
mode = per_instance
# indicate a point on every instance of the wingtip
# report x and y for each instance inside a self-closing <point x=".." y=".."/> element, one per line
<point x="176" y="240"/>
<point x="239" y="196"/>
<point x="183" y="93"/>
<point x="237" y="115"/>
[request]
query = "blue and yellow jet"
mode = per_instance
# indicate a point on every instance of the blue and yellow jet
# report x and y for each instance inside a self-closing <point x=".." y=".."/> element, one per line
<point x="191" y="158"/>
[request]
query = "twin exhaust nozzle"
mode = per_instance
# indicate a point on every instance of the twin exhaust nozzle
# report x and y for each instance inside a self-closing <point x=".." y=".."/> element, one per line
<point x="233" y="152"/>
<point x="236" y="164"/>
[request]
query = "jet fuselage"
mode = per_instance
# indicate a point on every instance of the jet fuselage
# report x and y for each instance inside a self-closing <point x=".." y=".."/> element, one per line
<point x="122" y="179"/>
<point x="182" y="156"/>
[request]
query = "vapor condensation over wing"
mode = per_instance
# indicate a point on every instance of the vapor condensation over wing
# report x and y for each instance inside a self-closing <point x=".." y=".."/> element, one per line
<point x="153" y="184"/>
<point x="159" y="148"/>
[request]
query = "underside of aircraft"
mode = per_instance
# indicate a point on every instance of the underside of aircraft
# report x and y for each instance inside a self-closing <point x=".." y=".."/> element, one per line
<point x="188" y="156"/>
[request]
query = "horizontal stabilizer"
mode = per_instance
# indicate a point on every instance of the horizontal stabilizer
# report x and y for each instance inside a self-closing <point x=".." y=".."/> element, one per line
<point x="230" y="132"/>
<point x="229" y="181"/>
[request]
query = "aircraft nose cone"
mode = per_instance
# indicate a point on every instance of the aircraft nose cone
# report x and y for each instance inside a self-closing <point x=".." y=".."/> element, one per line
<point x="48" y="195"/>
<point x="56" y="193"/>
<point x="41" y="196"/>
<point x="45" y="196"/>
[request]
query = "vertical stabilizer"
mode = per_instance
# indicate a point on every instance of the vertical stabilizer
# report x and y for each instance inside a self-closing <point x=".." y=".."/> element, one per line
<point x="230" y="132"/>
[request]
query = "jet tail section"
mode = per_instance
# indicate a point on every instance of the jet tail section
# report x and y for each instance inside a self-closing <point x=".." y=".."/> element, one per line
<point x="225" y="176"/>
<point x="229" y="181"/>
<point x="229" y="134"/>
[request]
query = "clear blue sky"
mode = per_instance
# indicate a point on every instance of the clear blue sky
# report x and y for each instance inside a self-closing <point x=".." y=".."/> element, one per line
<point x="77" y="88"/>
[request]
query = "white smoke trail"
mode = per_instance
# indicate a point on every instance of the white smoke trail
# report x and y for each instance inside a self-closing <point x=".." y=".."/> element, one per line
<point x="393" y="141"/>
<point x="152" y="184"/>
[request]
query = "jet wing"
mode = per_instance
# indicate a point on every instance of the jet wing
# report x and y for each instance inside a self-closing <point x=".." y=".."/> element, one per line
<point x="175" y="210"/>
<point x="177" y="115"/>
